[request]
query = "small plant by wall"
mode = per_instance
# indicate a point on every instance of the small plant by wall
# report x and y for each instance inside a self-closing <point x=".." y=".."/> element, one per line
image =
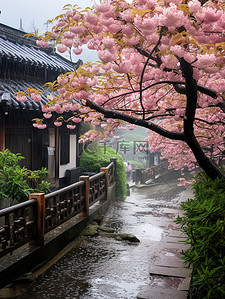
<point x="17" y="182"/>
<point x="99" y="156"/>
<point x="204" y="223"/>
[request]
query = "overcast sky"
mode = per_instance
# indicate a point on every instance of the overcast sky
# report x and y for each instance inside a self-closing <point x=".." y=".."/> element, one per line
<point x="34" y="15"/>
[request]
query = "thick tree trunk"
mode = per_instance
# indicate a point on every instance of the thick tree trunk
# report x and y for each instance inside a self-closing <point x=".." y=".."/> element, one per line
<point x="210" y="168"/>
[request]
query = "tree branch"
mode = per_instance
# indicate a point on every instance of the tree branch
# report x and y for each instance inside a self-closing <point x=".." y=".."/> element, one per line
<point x="136" y="121"/>
<point x="192" y="97"/>
<point x="181" y="88"/>
<point x="143" y="72"/>
<point x="146" y="88"/>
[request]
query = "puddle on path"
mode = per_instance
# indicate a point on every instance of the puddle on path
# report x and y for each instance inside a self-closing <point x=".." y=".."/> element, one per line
<point x="107" y="268"/>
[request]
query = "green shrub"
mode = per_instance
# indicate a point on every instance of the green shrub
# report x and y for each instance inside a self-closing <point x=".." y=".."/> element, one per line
<point x="204" y="223"/>
<point x="97" y="156"/>
<point x="17" y="183"/>
<point x="135" y="164"/>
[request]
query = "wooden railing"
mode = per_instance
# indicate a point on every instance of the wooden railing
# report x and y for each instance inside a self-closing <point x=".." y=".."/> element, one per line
<point x="63" y="204"/>
<point x="19" y="226"/>
<point x="30" y="220"/>
<point x="144" y="175"/>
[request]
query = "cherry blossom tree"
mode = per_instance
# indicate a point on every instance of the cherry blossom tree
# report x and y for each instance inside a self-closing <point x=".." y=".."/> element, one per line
<point x="161" y="67"/>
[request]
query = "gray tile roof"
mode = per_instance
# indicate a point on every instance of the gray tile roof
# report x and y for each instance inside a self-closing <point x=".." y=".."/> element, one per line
<point x="33" y="55"/>
<point x="10" y="86"/>
<point x="14" y="45"/>
<point x="23" y="64"/>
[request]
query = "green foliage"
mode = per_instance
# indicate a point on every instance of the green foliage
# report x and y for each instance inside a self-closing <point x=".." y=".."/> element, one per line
<point x="96" y="157"/>
<point x="135" y="164"/>
<point x="85" y="127"/>
<point x="204" y="223"/>
<point x="17" y="183"/>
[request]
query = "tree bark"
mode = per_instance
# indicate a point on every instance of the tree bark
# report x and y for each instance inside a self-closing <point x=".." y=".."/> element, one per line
<point x="210" y="168"/>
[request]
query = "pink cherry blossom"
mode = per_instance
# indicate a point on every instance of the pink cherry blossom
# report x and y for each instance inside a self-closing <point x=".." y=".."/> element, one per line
<point x="74" y="107"/>
<point x="42" y="43"/>
<point x="61" y="48"/>
<point x="76" y="120"/>
<point x="107" y="56"/>
<point x="47" y="115"/>
<point x="171" y="17"/>
<point x="67" y="42"/>
<point x="71" y="127"/>
<point x="76" y="17"/>
<point x="61" y="23"/>
<point x="77" y="29"/>
<point x="57" y="123"/>
<point x="194" y="6"/>
<point x="108" y="42"/>
<point x="35" y="97"/>
<point x="91" y="18"/>
<point x="210" y="15"/>
<point x="84" y="110"/>
<point x="58" y="108"/>
<point x="122" y="68"/>
<point x="62" y="80"/>
<point x="96" y="29"/>
<point x="77" y="51"/>
<point x="21" y="98"/>
<point x="41" y="126"/>
<point x="103" y="7"/>
<point x="131" y="127"/>
<point x="69" y="35"/>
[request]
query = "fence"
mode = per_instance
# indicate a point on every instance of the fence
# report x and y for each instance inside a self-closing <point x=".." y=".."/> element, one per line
<point x="30" y="220"/>
<point x="144" y="175"/>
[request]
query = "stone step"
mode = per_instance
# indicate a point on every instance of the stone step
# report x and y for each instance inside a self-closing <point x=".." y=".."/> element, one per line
<point x="177" y="245"/>
<point x="150" y="292"/>
<point x="171" y="272"/>
<point x="177" y="234"/>
<point x="185" y="285"/>
<point x="170" y="262"/>
<point x="175" y="240"/>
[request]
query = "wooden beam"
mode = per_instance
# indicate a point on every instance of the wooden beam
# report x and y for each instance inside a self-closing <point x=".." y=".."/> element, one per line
<point x="57" y="153"/>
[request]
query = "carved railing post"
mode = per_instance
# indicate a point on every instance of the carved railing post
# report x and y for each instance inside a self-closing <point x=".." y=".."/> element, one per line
<point x="86" y="193"/>
<point x="40" y="218"/>
<point x="114" y="161"/>
<point x="106" y="170"/>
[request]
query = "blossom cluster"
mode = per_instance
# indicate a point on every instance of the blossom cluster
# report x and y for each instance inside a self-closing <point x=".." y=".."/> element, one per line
<point x="140" y="46"/>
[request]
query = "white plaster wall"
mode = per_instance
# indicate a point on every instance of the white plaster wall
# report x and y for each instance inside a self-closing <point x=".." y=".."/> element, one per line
<point x="72" y="163"/>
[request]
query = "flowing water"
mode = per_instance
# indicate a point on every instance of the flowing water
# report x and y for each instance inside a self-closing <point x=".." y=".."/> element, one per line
<point x="106" y="268"/>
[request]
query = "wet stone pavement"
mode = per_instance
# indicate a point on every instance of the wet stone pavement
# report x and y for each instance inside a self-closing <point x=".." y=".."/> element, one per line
<point x="106" y="268"/>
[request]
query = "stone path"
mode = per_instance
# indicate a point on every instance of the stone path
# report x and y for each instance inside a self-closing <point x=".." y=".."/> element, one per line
<point x="170" y="278"/>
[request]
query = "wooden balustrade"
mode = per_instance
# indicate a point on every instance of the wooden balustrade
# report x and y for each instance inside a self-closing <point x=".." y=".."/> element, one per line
<point x="30" y="220"/>
<point x="63" y="204"/>
<point x="144" y="175"/>
<point x="19" y="226"/>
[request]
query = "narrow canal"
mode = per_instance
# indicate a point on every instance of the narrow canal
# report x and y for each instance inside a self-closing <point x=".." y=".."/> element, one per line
<point x="104" y="268"/>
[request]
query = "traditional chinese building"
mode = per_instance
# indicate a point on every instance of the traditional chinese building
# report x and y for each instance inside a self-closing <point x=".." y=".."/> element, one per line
<point x="23" y="64"/>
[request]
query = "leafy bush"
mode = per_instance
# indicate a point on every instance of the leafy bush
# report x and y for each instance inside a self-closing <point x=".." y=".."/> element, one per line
<point x="96" y="157"/>
<point x="17" y="183"/>
<point x="204" y="223"/>
<point x="136" y="164"/>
